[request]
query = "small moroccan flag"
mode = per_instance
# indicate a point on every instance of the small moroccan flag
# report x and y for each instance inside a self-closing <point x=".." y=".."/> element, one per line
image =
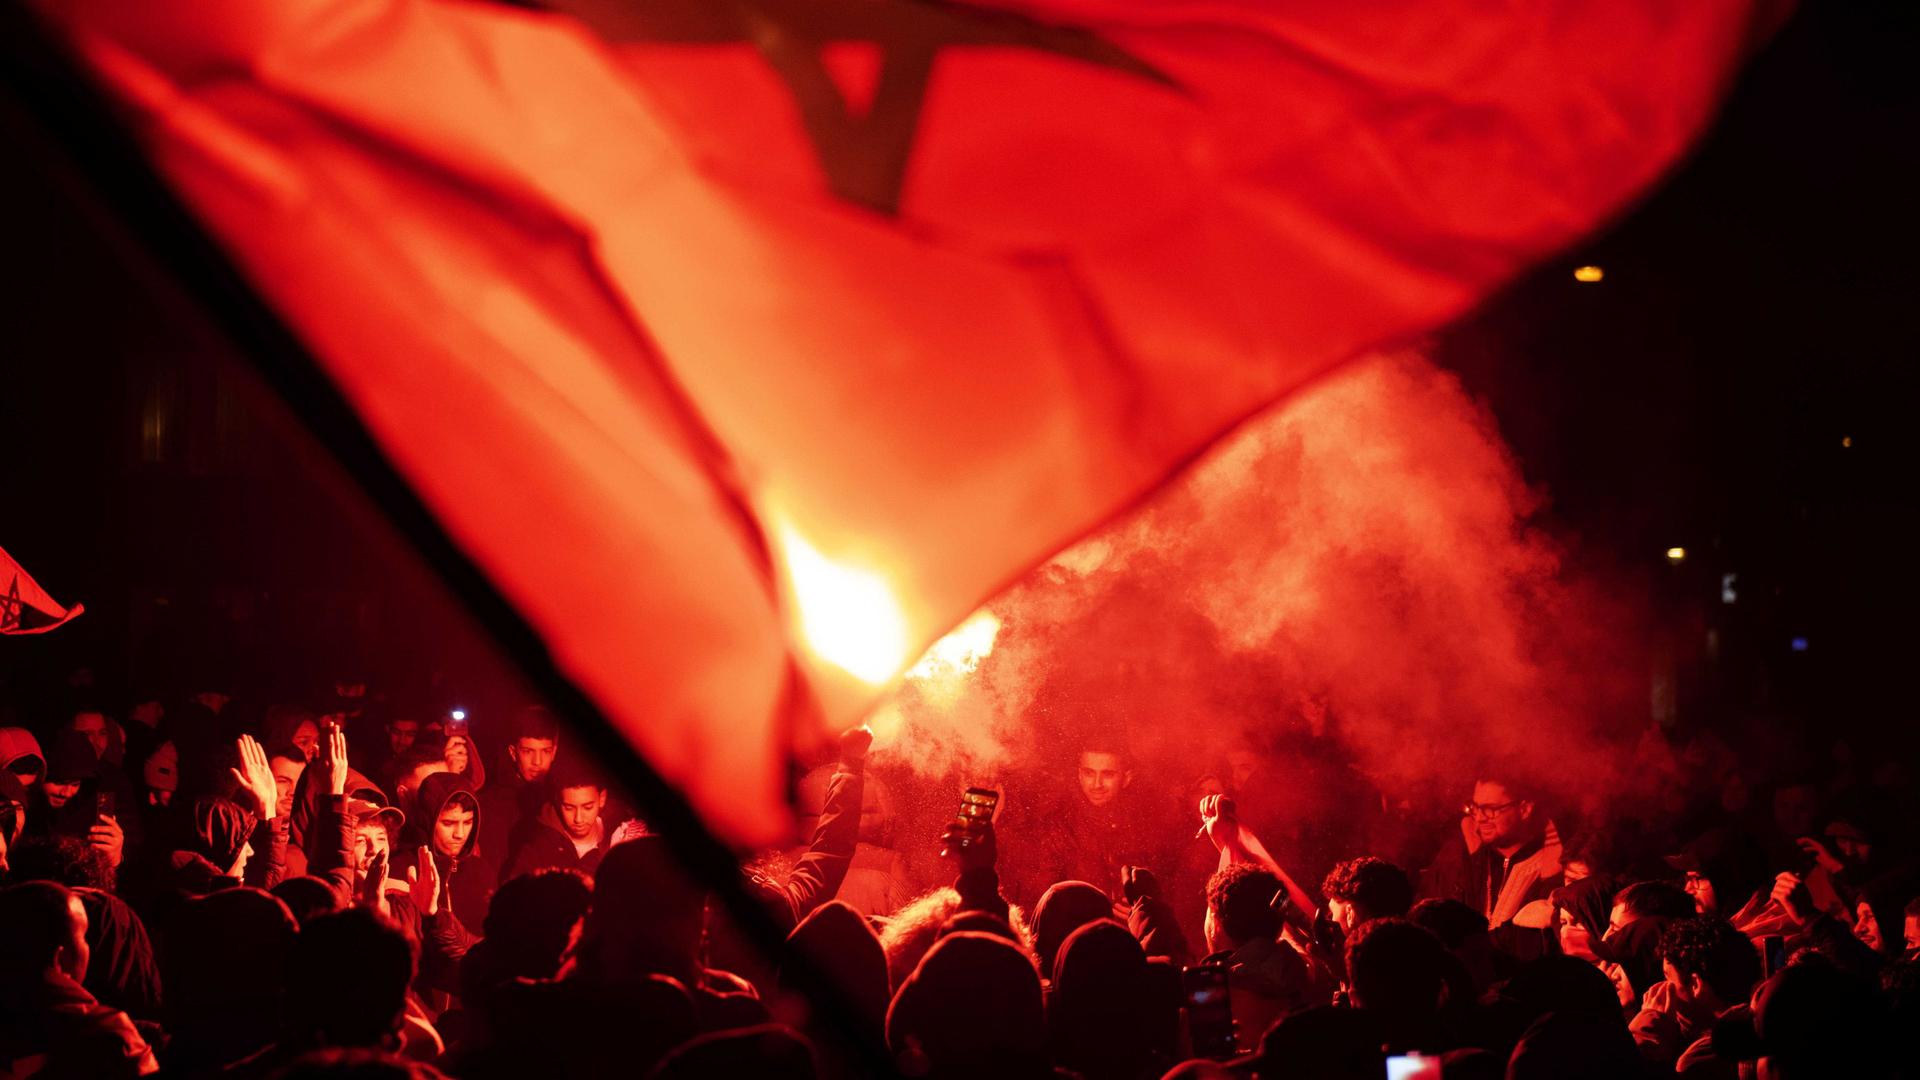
<point x="25" y="607"/>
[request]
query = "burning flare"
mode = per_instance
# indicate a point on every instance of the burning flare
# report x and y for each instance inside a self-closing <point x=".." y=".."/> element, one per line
<point x="849" y="616"/>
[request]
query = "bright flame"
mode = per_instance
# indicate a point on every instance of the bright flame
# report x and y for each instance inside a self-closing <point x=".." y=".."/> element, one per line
<point x="960" y="651"/>
<point x="940" y="675"/>
<point x="1676" y="554"/>
<point x="1588" y="274"/>
<point x="849" y="616"/>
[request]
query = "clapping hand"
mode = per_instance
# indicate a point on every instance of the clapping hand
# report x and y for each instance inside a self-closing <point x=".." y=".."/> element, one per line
<point x="372" y="891"/>
<point x="423" y="881"/>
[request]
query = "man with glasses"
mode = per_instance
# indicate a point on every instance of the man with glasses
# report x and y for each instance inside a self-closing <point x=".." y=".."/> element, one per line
<point x="1511" y="857"/>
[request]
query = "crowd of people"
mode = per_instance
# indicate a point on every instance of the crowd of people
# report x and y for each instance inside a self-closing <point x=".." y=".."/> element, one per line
<point x="200" y="890"/>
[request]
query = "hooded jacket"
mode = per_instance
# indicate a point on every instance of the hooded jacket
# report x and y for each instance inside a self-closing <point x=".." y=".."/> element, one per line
<point x="466" y="878"/>
<point x="71" y="758"/>
<point x="972" y="1008"/>
<point x="17" y="743"/>
<point x="469" y="875"/>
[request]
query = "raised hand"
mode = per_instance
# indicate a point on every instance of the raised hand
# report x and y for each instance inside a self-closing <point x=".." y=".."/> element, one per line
<point x="1219" y="820"/>
<point x="1791" y="894"/>
<point x="854" y="744"/>
<point x="1137" y="882"/>
<point x="333" y="756"/>
<point x="423" y="880"/>
<point x="255" y="778"/>
<point x="970" y="847"/>
<point x="372" y="892"/>
<point x="1822" y="857"/>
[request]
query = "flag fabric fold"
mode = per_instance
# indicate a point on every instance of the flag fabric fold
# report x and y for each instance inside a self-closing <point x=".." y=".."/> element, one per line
<point x="740" y="338"/>
<point x="25" y="607"/>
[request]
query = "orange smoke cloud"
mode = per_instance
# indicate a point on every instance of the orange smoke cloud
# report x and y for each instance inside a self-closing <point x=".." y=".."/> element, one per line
<point x="1363" y="561"/>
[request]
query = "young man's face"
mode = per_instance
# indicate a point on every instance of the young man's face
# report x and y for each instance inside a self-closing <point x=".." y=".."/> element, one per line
<point x="1701" y="889"/>
<point x="579" y="809"/>
<point x="1866" y="927"/>
<point x="532" y="757"/>
<point x="1913" y="931"/>
<point x="1619" y="919"/>
<point x="1342" y="913"/>
<point x="60" y="791"/>
<point x="1575" y="940"/>
<point x="286" y="773"/>
<point x="1853" y="852"/>
<point x="1241" y="765"/>
<point x="369" y="840"/>
<point x="94" y="726"/>
<point x="306" y="736"/>
<point x="400" y="735"/>
<point x="1103" y="775"/>
<point x="451" y="829"/>
<point x="1499" y="817"/>
<point x="1684" y="988"/>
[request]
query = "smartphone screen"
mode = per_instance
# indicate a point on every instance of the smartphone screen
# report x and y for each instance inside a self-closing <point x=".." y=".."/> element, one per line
<point x="103" y="805"/>
<point x="1774" y="952"/>
<point x="976" y="809"/>
<point x="1209" y="1010"/>
<point x="1413" y="1067"/>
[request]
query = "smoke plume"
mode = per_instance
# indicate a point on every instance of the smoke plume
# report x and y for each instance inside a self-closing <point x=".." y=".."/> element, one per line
<point x="1364" y="564"/>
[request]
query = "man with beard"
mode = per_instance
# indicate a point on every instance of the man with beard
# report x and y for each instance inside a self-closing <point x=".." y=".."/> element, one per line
<point x="1510" y="858"/>
<point x="1103" y="823"/>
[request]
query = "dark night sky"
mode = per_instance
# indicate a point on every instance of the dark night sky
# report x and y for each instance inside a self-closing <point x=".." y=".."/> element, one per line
<point x="1756" y="311"/>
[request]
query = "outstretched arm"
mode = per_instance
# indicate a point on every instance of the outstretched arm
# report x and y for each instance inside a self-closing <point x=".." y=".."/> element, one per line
<point x="817" y="874"/>
<point x="330" y="837"/>
<point x="973" y="850"/>
<point x="260" y="793"/>
<point x="1220" y="823"/>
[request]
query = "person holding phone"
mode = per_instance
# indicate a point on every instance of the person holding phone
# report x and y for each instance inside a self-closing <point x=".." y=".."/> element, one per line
<point x="74" y="800"/>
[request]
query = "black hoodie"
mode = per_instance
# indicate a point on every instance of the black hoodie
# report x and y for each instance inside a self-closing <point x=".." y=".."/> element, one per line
<point x="466" y="876"/>
<point x="470" y="875"/>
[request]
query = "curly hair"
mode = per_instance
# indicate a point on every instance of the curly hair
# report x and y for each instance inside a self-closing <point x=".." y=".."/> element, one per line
<point x="1241" y="899"/>
<point x="1713" y="950"/>
<point x="1376" y="887"/>
<point x="912" y="929"/>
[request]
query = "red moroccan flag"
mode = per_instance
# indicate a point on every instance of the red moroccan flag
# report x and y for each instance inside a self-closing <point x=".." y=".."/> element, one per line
<point x="730" y="335"/>
<point x="25" y="607"/>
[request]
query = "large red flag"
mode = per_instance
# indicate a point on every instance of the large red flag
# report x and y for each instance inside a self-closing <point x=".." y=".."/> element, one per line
<point x="731" y="336"/>
<point x="25" y="607"/>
